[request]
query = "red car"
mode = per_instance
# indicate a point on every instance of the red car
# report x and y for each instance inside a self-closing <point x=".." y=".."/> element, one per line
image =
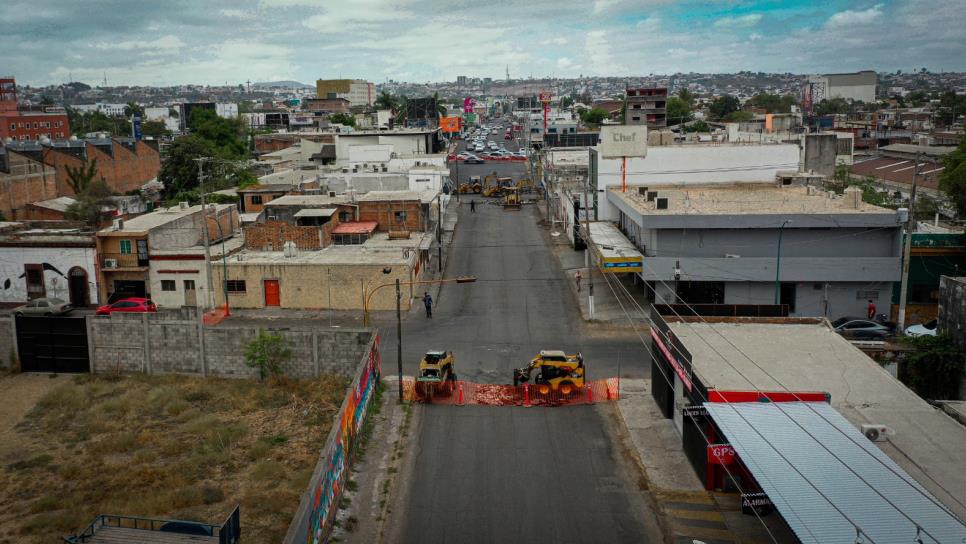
<point x="133" y="304"/>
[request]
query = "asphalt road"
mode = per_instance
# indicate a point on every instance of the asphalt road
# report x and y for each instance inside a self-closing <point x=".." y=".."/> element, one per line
<point x="513" y="474"/>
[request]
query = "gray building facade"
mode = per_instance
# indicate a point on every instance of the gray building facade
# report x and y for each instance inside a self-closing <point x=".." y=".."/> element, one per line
<point x="720" y="245"/>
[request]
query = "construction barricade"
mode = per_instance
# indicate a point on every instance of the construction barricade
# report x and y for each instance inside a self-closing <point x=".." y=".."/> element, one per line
<point x="462" y="392"/>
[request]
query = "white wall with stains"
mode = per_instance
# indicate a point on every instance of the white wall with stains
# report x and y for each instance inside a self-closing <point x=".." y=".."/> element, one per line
<point x="58" y="261"/>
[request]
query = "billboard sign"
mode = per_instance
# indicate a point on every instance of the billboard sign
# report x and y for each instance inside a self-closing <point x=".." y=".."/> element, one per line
<point x="136" y="126"/>
<point x="450" y="124"/>
<point x="467" y="105"/>
<point x="619" y="141"/>
<point x="469" y="118"/>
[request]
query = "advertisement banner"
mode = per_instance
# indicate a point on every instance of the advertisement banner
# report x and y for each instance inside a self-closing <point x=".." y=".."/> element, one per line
<point x="136" y="127"/>
<point x="450" y="124"/>
<point x="467" y="105"/>
<point x="721" y="454"/>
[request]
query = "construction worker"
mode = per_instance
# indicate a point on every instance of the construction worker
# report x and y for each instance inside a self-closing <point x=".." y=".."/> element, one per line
<point x="428" y="302"/>
<point x="473" y="206"/>
<point x="577" y="277"/>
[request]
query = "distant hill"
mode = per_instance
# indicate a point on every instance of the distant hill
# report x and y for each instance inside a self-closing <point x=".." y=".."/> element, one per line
<point x="288" y="83"/>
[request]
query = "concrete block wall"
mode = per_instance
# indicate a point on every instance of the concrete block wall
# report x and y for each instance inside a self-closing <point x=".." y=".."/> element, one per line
<point x="163" y="345"/>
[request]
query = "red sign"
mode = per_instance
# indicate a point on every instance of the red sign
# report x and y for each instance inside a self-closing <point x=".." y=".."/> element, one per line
<point x="767" y="396"/>
<point x="678" y="367"/>
<point x="467" y="105"/>
<point x="545" y="97"/>
<point x="721" y="454"/>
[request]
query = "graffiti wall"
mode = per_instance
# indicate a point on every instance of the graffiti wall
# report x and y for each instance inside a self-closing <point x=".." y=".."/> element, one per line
<point x="313" y="521"/>
<point x="46" y="272"/>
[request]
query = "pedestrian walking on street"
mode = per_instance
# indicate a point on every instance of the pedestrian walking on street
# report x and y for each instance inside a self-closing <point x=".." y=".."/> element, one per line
<point x="428" y="302"/>
<point x="473" y="206"/>
<point x="577" y="277"/>
<point x="871" y="310"/>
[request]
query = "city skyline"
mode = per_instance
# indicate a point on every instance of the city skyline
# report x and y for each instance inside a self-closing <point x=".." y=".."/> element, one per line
<point x="416" y="40"/>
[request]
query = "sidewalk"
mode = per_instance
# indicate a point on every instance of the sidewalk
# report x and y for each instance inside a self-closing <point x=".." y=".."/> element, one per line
<point x="607" y="309"/>
<point x="690" y="512"/>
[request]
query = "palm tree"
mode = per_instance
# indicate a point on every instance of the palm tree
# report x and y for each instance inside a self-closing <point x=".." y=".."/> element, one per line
<point x="133" y="108"/>
<point x="386" y="101"/>
<point x="402" y="111"/>
<point x="440" y="108"/>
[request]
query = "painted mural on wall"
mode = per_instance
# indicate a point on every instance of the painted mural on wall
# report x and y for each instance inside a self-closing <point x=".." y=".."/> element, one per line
<point x="328" y="490"/>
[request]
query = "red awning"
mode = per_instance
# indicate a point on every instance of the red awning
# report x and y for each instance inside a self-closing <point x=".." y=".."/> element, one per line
<point x="355" y="227"/>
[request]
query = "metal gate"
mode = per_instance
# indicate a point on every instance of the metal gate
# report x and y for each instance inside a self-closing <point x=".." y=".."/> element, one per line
<point x="52" y="344"/>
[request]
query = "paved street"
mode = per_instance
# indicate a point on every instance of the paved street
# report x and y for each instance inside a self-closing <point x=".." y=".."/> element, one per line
<point x="513" y="474"/>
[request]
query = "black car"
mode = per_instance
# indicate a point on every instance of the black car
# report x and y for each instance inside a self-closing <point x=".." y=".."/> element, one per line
<point x="860" y="328"/>
<point x="474" y="160"/>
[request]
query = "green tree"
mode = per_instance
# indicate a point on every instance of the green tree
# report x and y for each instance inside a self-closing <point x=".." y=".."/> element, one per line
<point x="386" y="101"/>
<point x="80" y="178"/>
<point x="723" y="105"/>
<point x="566" y="102"/>
<point x="440" y="108"/>
<point x="832" y="106"/>
<point x="179" y="167"/>
<point x="772" y="103"/>
<point x="155" y="129"/>
<point x="46" y="100"/>
<point x="594" y="116"/>
<point x="739" y="116"/>
<point x="133" y="108"/>
<point x="91" y="204"/>
<point x="953" y="179"/>
<point x="227" y="135"/>
<point x="678" y="111"/>
<point x="95" y="121"/>
<point x="267" y="353"/>
<point x="403" y="112"/>
<point x="342" y="119"/>
<point x="687" y="97"/>
<point x="697" y="126"/>
<point x="951" y="106"/>
<point x="917" y="99"/>
<point x="934" y="369"/>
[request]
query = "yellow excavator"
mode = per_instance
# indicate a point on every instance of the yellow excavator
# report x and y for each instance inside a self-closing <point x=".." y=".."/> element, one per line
<point x="556" y="371"/>
<point x="511" y="198"/>
<point x="473" y="185"/>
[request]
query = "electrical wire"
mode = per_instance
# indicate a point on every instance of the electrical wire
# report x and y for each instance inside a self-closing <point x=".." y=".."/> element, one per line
<point x="794" y="421"/>
<point x="795" y="395"/>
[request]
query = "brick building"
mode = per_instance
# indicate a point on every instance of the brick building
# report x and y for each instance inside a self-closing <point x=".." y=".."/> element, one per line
<point x="394" y="210"/>
<point x="306" y="220"/>
<point x="22" y="181"/>
<point x="28" y="125"/>
<point x="647" y="106"/>
<point x="125" y="164"/>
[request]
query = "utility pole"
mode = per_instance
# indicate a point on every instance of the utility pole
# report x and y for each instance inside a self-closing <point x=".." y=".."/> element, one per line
<point x="204" y="215"/>
<point x="590" y="269"/>
<point x="907" y="249"/>
<point x="399" y="338"/>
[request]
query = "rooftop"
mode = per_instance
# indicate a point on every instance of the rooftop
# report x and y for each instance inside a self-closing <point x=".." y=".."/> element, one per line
<point x="308" y="200"/>
<point x="332" y="255"/>
<point x="161" y="217"/>
<point x="267" y="188"/>
<point x="739" y="198"/>
<point x="811" y="357"/>
<point x="59" y="204"/>
<point x="388" y="196"/>
<point x="929" y="150"/>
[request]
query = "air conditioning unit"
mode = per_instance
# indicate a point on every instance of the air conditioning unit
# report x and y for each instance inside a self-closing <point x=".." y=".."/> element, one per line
<point x="331" y="194"/>
<point x="877" y="433"/>
<point x="110" y="263"/>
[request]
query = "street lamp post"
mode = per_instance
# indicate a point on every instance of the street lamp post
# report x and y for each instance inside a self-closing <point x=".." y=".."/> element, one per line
<point x="399" y="284"/>
<point x="778" y="261"/>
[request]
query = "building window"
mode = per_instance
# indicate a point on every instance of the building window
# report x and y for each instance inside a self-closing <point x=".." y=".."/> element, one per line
<point x="236" y="286"/>
<point x="125" y="247"/>
<point x="189" y="285"/>
<point x="256" y="199"/>
<point x="168" y="285"/>
<point x="344" y="217"/>
<point x="13" y="126"/>
<point x="400" y="217"/>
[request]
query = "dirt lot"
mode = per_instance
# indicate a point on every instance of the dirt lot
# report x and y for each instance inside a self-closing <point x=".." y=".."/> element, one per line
<point x="163" y="446"/>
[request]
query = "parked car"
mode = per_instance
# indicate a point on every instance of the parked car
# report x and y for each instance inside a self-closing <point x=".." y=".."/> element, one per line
<point x="133" y="304"/>
<point x="44" y="306"/>
<point x="474" y="160"/>
<point x="929" y="328"/>
<point x="860" y="328"/>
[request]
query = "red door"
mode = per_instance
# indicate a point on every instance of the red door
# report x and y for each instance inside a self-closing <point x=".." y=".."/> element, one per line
<point x="272" y="297"/>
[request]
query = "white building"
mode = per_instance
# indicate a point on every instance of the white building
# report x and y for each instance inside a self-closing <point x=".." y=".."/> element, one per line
<point x="53" y="263"/>
<point x="227" y="110"/>
<point x="693" y="163"/>
<point x="859" y="86"/>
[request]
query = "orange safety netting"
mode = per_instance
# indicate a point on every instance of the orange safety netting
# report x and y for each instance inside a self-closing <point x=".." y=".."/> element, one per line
<point x="463" y="392"/>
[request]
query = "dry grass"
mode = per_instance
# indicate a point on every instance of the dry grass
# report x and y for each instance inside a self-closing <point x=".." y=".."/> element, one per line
<point x="165" y="446"/>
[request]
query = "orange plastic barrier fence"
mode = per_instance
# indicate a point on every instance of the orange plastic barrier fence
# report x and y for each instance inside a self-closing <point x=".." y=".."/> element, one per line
<point x="462" y="392"/>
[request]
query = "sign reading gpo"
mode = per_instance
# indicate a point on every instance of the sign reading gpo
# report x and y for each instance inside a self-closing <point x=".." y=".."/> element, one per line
<point x="620" y="141"/>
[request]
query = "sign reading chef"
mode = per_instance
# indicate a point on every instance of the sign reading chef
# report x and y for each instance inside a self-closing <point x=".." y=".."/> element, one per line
<point x="620" y="141"/>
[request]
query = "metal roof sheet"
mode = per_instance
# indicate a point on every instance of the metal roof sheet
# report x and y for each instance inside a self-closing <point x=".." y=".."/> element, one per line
<point x="801" y="455"/>
<point x="355" y="227"/>
<point x="316" y="212"/>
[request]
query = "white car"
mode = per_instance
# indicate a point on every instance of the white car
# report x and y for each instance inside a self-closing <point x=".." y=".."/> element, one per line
<point x="922" y="329"/>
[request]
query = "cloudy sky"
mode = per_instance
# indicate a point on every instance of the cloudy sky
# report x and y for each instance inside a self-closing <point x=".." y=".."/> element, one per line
<point x="214" y="41"/>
